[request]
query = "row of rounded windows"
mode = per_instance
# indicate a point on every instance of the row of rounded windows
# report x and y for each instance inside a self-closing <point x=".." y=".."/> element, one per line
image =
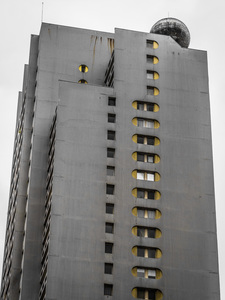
<point x="145" y="106"/>
<point x="146" y="175"/>
<point x="142" y="212"/>
<point x="147" y="123"/>
<point x="147" y="293"/>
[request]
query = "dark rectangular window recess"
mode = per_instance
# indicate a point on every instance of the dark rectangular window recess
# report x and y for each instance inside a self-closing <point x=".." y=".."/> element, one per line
<point x="108" y="268"/>
<point x="150" y="90"/>
<point x="111" y="118"/>
<point x="110" y="171"/>
<point x="108" y="289"/>
<point x="111" y="135"/>
<point x="110" y="189"/>
<point x="109" y="208"/>
<point x="149" y="43"/>
<point x="109" y="227"/>
<point x="149" y="59"/>
<point x="109" y="248"/>
<point x="111" y="152"/>
<point x="111" y="101"/>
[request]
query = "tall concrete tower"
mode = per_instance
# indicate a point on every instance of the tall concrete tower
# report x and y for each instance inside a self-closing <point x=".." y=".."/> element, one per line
<point x="112" y="192"/>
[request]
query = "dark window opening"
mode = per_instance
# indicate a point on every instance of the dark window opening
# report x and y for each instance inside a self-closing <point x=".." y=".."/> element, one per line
<point x="140" y="106"/>
<point x="110" y="189"/>
<point x="109" y="208"/>
<point x="140" y="157"/>
<point x="141" y="194"/>
<point x="150" y="90"/>
<point x="140" y="252"/>
<point x="151" y="194"/>
<point x="109" y="227"/>
<point x="151" y="232"/>
<point x="108" y="268"/>
<point x="111" y="101"/>
<point x="111" y="118"/>
<point x="111" y="135"/>
<point x="140" y="139"/>
<point x="110" y="171"/>
<point x="150" y="140"/>
<point x="141" y="293"/>
<point x="108" y="247"/>
<point x="150" y="58"/>
<point x="151" y="253"/>
<point x="83" y="68"/>
<point x="82" y="81"/>
<point x="108" y="289"/>
<point x="110" y="152"/>
<point x="140" y="232"/>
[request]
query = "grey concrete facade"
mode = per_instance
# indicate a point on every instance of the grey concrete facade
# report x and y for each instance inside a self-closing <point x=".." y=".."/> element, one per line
<point x="61" y="216"/>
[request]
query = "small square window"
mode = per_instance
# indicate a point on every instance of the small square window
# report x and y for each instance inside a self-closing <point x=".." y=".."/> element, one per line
<point x="151" y="140"/>
<point x="140" y="272"/>
<point x="150" y="90"/>
<point x="149" y="124"/>
<point x="149" y="44"/>
<point x="151" y="194"/>
<point x="140" y="139"/>
<point x="110" y="152"/>
<point x="140" y="157"/>
<point x="108" y="268"/>
<point x="110" y="171"/>
<point x="150" y="106"/>
<point x="140" y="194"/>
<point x="151" y="232"/>
<point x="151" y="214"/>
<point x="140" y="122"/>
<point x="150" y="74"/>
<point x="150" y="177"/>
<point x="109" y="208"/>
<point x="111" y="118"/>
<point x="151" y="295"/>
<point x="108" y="289"/>
<point x="140" y="232"/>
<point x="111" y="135"/>
<point x="140" y="106"/>
<point x="141" y="175"/>
<point x="150" y="158"/>
<point x="149" y="59"/>
<point x="109" y="227"/>
<point x="151" y="274"/>
<point x="141" y="293"/>
<point x="141" y="213"/>
<point x="110" y="189"/>
<point x="140" y="252"/>
<point x="151" y="253"/>
<point x="108" y="247"/>
<point x="111" y="101"/>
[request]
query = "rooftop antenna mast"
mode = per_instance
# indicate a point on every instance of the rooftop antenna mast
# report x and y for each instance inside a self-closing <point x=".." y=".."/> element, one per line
<point x="42" y="11"/>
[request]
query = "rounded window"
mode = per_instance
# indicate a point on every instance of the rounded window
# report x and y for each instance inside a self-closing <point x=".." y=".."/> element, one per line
<point x="146" y="123"/>
<point x="147" y="213"/>
<point x="151" y="273"/>
<point x="146" y="157"/>
<point x="146" y="175"/>
<point x="146" y="232"/>
<point x="83" y="68"/>
<point x="146" y="194"/>
<point x="146" y="293"/>
<point x="146" y="106"/>
<point x="146" y="140"/>
<point x="83" y="81"/>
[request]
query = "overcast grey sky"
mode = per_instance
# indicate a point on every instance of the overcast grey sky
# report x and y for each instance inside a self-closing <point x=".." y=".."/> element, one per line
<point x="21" y="18"/>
